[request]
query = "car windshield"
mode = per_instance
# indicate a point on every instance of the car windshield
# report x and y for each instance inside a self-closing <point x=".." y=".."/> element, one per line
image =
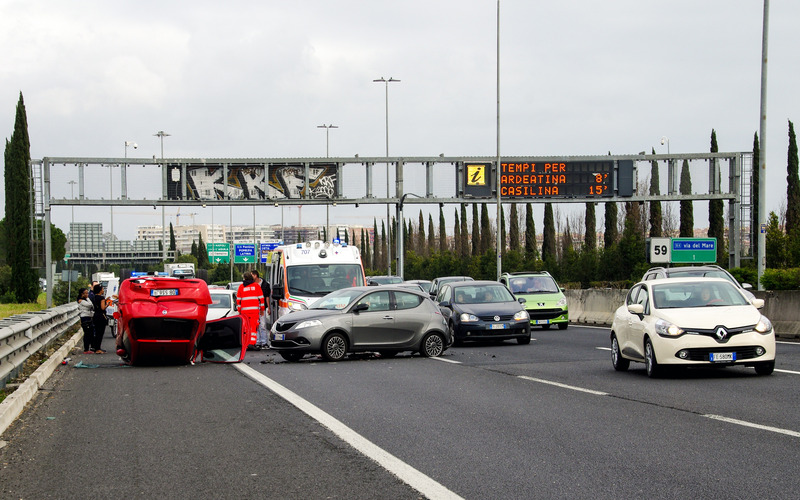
<point x="220" y="301"/>
<point x="320" y="279"/>
<point x="337" y="300"/>
<point x="481" y="294"/>
<point x="533" y="284"/>
<point x="699" y="294"/>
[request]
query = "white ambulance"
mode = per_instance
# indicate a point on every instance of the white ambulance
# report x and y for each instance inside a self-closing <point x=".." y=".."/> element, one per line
<point x="303" y="272"/>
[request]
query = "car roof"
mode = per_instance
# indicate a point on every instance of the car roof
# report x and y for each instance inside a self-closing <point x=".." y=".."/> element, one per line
<point x="693" y="279"/>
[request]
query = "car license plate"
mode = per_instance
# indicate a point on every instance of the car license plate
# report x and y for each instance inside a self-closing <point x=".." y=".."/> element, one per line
<point x="165" y="292"/>
<point x="722" y="356"/>
<point x="496" y="326"/>
<point x="280" y="336"/>
<point x="542" y="321"/>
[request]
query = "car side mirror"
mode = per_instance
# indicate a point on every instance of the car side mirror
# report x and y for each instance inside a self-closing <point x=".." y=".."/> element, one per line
<point x="522" y="300"/>
<point x="637" y="309"/>
<point x="276" y="292"/>
<point x="747" y="286"/>
<point x="445" y="303"/>
<point x="758" y="303"/>
<point x="360" y="307"/>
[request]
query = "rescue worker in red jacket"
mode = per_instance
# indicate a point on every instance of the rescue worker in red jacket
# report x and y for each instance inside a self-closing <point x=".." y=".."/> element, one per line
<point x="251" y="304"/>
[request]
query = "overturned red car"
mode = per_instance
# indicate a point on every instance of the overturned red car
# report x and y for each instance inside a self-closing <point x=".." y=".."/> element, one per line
<point x="163" y="319"/>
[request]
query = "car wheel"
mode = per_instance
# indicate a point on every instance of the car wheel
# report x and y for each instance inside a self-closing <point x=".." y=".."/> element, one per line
<point x="765" y="368"/>
<point x="620" y="364"/>
<point x="650" y="362"/>
<point x="432" y="345"/>
<point x="563" y="326"/>
<point x="524" y="340"/>
<point x="294" y="357"/>
<point x="546" y="327"/>
<point x="334" y="347"/>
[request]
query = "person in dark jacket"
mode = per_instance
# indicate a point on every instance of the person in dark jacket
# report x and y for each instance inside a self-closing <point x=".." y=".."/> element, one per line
<point x="99" y="318"/>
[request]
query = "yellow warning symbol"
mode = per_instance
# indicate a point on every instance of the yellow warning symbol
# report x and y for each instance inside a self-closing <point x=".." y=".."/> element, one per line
<point x="476" y="175"/>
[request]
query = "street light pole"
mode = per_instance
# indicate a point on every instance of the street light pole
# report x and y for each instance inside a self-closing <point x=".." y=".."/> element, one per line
<point x="327" y="155"/>
<point x="71" y="195"/>
<point x="388" y="217"/>
<point x="111" y="184"/>
<point x="161" y="134"/>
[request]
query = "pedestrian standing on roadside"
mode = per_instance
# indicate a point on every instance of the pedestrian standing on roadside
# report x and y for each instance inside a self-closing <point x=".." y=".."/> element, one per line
<point x="99" y="318"/>
<point x="262" y="338"/>
<point x="86" y="311"/>
<point x="250" y="301"/>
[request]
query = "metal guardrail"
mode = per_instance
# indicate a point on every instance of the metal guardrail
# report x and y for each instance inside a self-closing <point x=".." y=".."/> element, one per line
<point x="22" y="335"/>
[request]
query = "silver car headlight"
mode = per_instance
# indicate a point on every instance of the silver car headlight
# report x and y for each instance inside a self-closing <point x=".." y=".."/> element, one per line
<point x="521" y="315"/>
<point x="297" y="306"/>
<point x="562" y="302"/>
<point x="764" y="325"/>
<point x="667" y="329"/>
<point x="308" y="323"/>
<point x="468" y="318"/>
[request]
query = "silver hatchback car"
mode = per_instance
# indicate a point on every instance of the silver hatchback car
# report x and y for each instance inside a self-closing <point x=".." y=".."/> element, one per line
<point x="387" y="319"/>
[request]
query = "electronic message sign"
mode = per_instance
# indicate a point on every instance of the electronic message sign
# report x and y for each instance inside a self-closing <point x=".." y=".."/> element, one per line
<point x="528" y="179"/>
<point x="557" y="179"/>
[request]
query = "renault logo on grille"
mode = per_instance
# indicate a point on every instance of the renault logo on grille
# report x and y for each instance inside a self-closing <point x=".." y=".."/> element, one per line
<point x="721" y="333"/>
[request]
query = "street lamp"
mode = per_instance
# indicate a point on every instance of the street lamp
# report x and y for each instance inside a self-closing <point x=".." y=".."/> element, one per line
<point x="327" y="137"/>
<point x="72" y="195"/>
<point x="388" y="219"/>
<point x="665" y="140"/>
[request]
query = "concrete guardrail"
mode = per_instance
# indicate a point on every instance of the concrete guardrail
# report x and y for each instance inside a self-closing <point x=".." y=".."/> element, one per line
<point x="22" y="335"/>
<point x="597" y="306"/>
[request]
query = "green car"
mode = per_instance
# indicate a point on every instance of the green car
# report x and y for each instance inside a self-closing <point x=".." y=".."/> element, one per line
<point x="544" y="299"/>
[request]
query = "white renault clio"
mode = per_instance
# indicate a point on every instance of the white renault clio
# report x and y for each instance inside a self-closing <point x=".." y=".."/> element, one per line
<point x="691" y="321"/>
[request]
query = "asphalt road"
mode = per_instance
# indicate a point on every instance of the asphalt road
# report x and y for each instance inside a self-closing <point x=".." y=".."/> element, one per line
<point x="550" y="419"/>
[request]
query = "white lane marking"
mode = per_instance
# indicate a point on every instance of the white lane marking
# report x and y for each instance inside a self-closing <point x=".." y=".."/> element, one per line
<point x="787" y="343"/>
<point x="787" y="371"/>
<point x="447" y="360"/>
<point x="563" y="386"/>
<point x="755" y="426"/>
<point x="603" y="348"/>
<point x="411" y="476"/>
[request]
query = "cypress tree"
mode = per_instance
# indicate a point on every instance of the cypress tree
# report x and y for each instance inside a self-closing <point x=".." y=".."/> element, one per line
<point x="421" y="236"/>
<point x="656" y="217"/>
<point x="487" y="241"/>
<point x="716" y="214"/>
<point x="376" y="246"/>
<point x="687" y="213"/>
<point x="775" y="244"/>
<point x="476" y="231"/>
<point x="384" y="249"/>
<point x="24" y="286"/>
<point x="792" y="201"/>
<point x="513" y="229"/>
<point x="193" y="251"/>
<point x="431" y="240"/>
<point x="202" y="253"/>
<point x="465" y="249"/>
<point x="503" y="235"/>
<point x="590" y="236"/>
<point x="611" y="233"/>
<point x="531" y="245"/>
<point x="755" y="219"/>
<point x="172" y="244"/>
<point x="442" y="231"/>
<point x="457" y="235"/>
<point x="549" y="241"/>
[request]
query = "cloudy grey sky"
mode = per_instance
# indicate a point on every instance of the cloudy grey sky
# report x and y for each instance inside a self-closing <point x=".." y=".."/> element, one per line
<point x="242" y="79"/>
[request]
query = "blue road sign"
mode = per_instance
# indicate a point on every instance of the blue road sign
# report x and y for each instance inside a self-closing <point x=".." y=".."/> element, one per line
<point x="244" y="254"/>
